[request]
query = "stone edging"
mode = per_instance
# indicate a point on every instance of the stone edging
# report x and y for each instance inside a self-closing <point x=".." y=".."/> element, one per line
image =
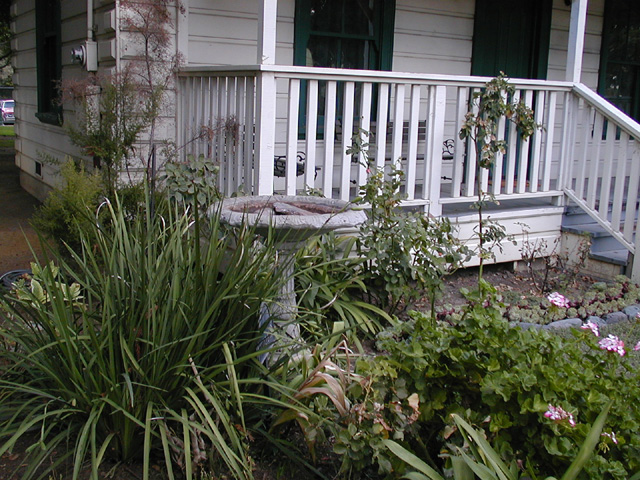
<point x="628" y="314"/>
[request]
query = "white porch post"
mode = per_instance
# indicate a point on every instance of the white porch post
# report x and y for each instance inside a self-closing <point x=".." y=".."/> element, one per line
<point x="576" y="40"/>
<point x="266" y="99"/>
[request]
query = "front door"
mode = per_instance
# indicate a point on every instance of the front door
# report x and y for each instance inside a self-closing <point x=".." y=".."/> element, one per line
<point x="511" y="37"/>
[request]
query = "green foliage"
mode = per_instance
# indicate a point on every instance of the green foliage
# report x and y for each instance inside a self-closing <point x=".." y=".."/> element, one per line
<point x="330" y="288"/>
<point x="150" y="351"/>
<point x="481" y="126"/>
<point x="481" y="460"/>
<point x="503" y="379"/>
<point x="599" y="300"/>
<point x="405" y="254"/>
<point x="192" y="183"/>
<point x="113" y="116"/>
<point x="70" y="210"/>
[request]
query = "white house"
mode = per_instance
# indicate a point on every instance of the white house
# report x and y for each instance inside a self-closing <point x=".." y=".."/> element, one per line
<point x="297" y="78"/>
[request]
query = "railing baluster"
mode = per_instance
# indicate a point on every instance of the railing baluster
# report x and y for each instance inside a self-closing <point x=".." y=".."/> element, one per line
<point x="592" y="181"/>
<point x="620" y="179"/>
<point x="311" y="133"/>
<point x="292" y="137"/>
<point x="499" y="160"/>
<point x="459" y="145"/>
<point x="249" y="136"/>
<point x="240" y="118"/>
<point x="631" y="214"/>
<point x="210" y="122"/>
<point x="219" y="133"/>
<point x="523" y="161"/>
<point x="536" y="159"/>
<point x="471" y="159"/>
<point x="347" y="132"/>
<point x="549" y="137"/>
<point x="229" y="146"/>
<point x="433" y="157"/>
<point x="329" y="136"/>
<point x="365" y="125"/>
<point x="398" y="126"/>
<point x="607" y="172"/>
<point x="412" y="152"/>
<point x="587" y="129"/>
<point x="381" y="124"/>
<point x="193" y="121"/>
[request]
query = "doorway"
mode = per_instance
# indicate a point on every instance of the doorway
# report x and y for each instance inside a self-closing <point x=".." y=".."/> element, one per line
<point x="511" y="37"/>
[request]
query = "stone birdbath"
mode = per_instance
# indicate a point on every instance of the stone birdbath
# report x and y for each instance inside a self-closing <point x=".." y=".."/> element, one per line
<point x="293" y="220"/>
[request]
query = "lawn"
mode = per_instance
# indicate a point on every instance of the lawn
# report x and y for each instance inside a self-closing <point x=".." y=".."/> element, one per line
<point x="7" y="136"/>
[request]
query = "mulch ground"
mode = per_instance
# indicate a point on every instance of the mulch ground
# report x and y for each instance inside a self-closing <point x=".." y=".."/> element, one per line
<point x="16" y="207"/>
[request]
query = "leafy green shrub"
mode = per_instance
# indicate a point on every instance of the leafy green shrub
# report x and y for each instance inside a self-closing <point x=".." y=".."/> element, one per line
<point x="405" y="254"/>
<point x="502" y="379"/>
<point x="70" y="210"/>
<point x="150" y="351"/>
<point x="331" y="289"/>
<point x="193" y="182"/>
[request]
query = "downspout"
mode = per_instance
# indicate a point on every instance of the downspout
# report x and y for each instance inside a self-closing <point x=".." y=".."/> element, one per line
<point x="91" y="45"/>
<point x="117" y="39"/>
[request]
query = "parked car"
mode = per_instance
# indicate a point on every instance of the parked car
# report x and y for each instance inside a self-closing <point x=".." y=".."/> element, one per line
<point x="6" y="112"/>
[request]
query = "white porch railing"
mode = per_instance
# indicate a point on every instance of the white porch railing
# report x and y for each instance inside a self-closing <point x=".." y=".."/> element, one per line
<point x="603" y="170"/>
<point x="305" y="118"/>
<point x="316" y="112"/>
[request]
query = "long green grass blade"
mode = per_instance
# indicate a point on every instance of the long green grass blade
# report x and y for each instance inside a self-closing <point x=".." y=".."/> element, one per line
<point x="589" y="444"/>
<point x="502" y="470"/>
<point x="412" y="460"/>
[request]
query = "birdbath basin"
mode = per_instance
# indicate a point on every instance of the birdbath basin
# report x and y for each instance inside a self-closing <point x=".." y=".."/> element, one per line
<point x="292" y="220"/>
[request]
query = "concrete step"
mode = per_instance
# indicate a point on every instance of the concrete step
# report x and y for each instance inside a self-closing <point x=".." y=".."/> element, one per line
<point x="604" y="247"/>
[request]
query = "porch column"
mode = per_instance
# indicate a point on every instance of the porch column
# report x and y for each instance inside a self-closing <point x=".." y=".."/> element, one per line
<point x="576" y="40"/>
<point x="266" y="98"/>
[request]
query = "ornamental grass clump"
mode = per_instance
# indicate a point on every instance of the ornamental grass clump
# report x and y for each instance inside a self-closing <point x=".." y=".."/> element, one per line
<point x="143" y="347"/>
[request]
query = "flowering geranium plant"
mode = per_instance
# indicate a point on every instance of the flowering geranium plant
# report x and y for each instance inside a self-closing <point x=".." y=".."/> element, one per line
<point x="558" y="300"/>
<point x="613" y="344"/>
<point x="593" y="327"/>
<point x="558" y="414"/>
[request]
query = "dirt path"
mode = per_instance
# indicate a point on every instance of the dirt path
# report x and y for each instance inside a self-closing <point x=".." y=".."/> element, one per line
<point x="16" y="207"/>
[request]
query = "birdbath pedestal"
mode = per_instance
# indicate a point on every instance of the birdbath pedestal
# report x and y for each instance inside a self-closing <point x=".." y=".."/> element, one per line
<point x="293" y="220"/>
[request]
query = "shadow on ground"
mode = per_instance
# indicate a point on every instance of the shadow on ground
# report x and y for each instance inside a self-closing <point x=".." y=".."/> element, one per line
<point x="16" y="207"/>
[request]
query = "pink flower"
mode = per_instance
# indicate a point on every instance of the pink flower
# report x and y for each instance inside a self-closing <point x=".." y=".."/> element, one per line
<point x="611" y="435"/>
<point x="637" y="347"/>
<point x="612" y="344"/>
<point x="558" y="300"/>
<point x="558" y="414"/>
<point x="593" y="327"/>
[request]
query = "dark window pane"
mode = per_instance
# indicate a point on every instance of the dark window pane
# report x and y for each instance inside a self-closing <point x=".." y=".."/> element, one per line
<point x="355" y="54"/>
<point x="359" y="17"/>
<point x="326" y="16"/>
<point x="323" y="52"/>
<point x="620" y="67"/>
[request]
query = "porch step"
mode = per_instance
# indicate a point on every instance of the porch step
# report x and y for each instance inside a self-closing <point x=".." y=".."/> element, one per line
<point x="605" y="250"/>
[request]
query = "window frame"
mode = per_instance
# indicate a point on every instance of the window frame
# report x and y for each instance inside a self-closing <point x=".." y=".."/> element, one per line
<point x="383" y="37"/>
<point x="634" y="101"/>
<point x="49" y="70"/>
